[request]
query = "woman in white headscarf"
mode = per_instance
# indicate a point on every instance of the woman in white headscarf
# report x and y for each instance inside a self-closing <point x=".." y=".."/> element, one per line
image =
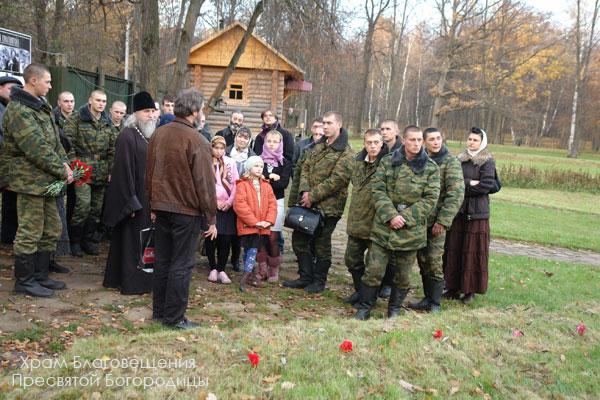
<point x="468" y="241"/>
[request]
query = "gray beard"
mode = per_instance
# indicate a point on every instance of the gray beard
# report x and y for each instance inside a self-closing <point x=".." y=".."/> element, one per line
<point x="147" y="128"/>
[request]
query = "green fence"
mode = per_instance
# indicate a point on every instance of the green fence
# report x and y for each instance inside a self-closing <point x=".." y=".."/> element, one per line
<point x="81" y="83"/>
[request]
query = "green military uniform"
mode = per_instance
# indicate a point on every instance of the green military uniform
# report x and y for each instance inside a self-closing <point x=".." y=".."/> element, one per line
<point x="410" y="189"/>
<point x="32" y="158"/>
<point x="452" y="189"/>
<point x="93" y="142"/>
<point x="361" y="212"/>
<point x="325" y="173"/>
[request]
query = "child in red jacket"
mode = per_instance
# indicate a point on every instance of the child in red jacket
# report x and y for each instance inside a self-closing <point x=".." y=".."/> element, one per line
<point x="256" y="210"/>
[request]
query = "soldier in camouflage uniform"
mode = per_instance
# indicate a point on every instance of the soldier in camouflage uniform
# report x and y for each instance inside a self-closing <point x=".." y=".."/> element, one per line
<point x="362" y="211"/>
<point x="33" y="158"/>
<point x="405" y="189"/>
<point x="323" y="184"/>
<point x="451" y="196"/>
<point x="92" y="138"/>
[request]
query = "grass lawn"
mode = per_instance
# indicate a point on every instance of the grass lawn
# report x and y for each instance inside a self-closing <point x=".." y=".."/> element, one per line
<point x="297" y="338"/>
<point x="547" y="217"/>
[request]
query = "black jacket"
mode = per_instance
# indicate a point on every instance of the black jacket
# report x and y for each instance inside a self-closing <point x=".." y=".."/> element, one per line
<point x="227" y="134"/>
<point x="481" y="167"/>
<point x="284" y="171"/>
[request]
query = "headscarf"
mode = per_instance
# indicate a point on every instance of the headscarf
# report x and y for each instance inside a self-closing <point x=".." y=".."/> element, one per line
<point x="220" y="169"/>
<point x="273" y="157"/>
<point x="484" y="141"/>
<point x="251" y="162"/>
<point x="241" y="156"/>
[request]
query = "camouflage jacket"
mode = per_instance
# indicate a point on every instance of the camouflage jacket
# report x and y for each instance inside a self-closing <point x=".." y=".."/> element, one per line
<point x="93" y="142"/>
<point x="31" y="155"/>
<point x="452" y="188"/>
<point x="407" y="188"/>
<point x="294" y="194"/>
<point x="326" y="174"/>
<point x="362" y="211"/>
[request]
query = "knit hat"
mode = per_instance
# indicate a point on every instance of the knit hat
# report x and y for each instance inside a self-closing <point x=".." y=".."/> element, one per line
<point x="9" y="79"/>
<point x="252" y="161"/>
<point x="142" y="101"/>
<point x="218" y="139"/>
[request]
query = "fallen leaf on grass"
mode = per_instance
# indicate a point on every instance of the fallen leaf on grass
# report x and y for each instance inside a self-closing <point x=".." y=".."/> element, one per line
<point x="271" y="379"/>
<point x="548" y="274"/>
<point x="476" y="373"/>
<point x="181" y="339"/>
<point x="287" y="385"/>
<point x="414" y="388"/>
<point x="563" y="358"/>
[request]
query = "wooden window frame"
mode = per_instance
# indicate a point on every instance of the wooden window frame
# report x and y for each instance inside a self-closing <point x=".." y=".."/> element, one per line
<point x="242" y="102"/>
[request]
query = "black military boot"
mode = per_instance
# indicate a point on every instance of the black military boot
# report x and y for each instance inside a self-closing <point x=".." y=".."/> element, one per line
<point x="25" y="277"/>
<point x="395" y="302"/>
<point x="76" y="235"/>
<point x="435" y="296"/>
<point x="42" y="267"/>
<point x="355" y="297"/>
<point x="386" y="283"/>
<point x="89" y="244"/>
<point x="368" y="300"/>
<point x="425" y="303"/>
<point x="305" y="270"/>
<point x="319" y="277"/>
<point x="56" y="267"/>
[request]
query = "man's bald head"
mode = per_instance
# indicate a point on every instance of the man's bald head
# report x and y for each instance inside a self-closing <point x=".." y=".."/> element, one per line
<point x="118" y="109"/>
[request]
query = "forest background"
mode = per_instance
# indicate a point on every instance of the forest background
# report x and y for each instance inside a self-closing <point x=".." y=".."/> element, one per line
<point x="525" y="76"/>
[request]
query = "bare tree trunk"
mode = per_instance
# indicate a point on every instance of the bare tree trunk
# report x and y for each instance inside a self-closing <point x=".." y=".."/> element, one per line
<point x="180" y="23"/>
<point x="149" y="65"/>
<point x="212" y="102"/>
<point x="439" y="94"/>
<point x="40" y="25"/>
<point x="403" y="78"/>
<point x="185" y="44"/>
<point x="418" y="96"/>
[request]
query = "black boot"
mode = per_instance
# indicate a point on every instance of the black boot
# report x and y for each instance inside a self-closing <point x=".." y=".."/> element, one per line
<point x="355" y="297"/>
<point x="425" y="303"/>
<point x="42" y="267"/>
<point x="56" y="267"/>
<point x="435" y="296"/>
<point x="368" y="300"/>
<point x="25" y="277"/>
<point x="319" y="277"/>
<point x="89" y="244"/>
<point x="395" y="302"/>
<point x="305" y="270"/>
<point x="76" y="235"/>
<point x="386" y="283"/>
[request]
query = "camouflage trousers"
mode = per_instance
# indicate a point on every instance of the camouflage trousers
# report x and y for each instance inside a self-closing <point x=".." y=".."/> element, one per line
<point x="379" y="258"/>
<point x="319" y="245"/>
<point x="355" y="253"/>
<point x="430" y="257"/>
<point x="39" y="224"/>
<point x="88" y="204"/>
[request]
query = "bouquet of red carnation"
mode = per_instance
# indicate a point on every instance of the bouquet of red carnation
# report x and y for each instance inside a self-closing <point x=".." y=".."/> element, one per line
<point x="82" y="173"/>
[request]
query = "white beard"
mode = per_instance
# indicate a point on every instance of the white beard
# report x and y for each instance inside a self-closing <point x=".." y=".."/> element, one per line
<point x="147" y="128"/>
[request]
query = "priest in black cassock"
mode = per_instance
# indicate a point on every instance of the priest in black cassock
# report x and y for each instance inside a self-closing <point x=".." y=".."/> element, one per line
<point x="127" y="209"/>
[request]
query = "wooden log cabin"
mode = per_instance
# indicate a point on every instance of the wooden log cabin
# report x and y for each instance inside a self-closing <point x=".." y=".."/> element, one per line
<point x="263" y="78"/>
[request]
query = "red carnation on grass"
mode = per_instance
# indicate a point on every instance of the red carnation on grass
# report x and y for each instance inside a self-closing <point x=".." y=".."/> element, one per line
<point x="437" y="335"/>
<point x="517" y="333"/>
<point x="346" y="346"/>
<point x="581" y="328"/>
<point x="254" y="359"/>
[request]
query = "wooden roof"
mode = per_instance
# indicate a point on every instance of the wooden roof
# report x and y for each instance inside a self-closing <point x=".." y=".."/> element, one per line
<point x="218" y="49"/>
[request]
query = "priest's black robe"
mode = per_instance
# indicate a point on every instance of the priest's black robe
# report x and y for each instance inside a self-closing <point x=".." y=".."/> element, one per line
<point x="126" y="195"/>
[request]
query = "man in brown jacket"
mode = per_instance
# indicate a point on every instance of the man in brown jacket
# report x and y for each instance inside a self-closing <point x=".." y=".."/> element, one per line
<point x="181" y="191"/>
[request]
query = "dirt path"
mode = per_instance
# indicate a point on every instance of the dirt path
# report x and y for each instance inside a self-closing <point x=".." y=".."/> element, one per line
<point x="538" y="251"/>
